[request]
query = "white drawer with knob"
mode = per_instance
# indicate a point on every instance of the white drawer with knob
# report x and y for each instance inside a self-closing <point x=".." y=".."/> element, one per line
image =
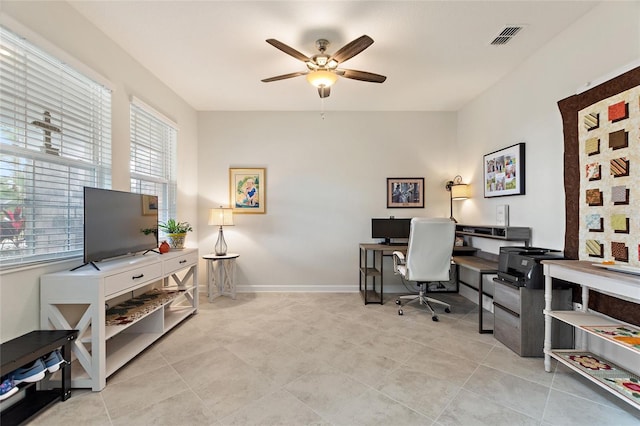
<point x="180" y="262"/>
<point x="123" y="281"/>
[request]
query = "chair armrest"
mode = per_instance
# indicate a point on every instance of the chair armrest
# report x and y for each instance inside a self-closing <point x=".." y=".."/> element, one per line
<point x="398" y="259"/>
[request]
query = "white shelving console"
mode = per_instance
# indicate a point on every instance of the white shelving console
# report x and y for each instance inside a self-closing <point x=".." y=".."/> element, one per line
<point x="79" y="300"/>
<point x="606" y="372"/>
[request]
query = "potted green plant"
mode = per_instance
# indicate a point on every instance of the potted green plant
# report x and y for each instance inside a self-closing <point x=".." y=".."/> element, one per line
<point x="176" y="232"/>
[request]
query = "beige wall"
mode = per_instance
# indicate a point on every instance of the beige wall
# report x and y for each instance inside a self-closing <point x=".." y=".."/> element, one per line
<point x="325" y="180"/>
<point x="56" y="26"/>
<point x="523" y="108"/>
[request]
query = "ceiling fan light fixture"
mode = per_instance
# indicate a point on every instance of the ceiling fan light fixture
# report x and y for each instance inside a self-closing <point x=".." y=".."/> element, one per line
<point x="322" y="78"/>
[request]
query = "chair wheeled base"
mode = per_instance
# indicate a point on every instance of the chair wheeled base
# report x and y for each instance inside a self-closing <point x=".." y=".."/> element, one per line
<point x="424" y="300"/>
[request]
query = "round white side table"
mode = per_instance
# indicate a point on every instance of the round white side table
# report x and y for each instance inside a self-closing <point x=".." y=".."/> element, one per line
<point x="221" y="273"/>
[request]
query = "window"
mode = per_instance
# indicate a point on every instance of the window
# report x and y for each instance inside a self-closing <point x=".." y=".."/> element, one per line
<point x="153" y="154"/>
<point x="55" y="138"/>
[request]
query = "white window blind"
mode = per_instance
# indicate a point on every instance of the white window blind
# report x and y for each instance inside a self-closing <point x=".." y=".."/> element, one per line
<point x="55" y="138"/>
<point x="153" y="157"/>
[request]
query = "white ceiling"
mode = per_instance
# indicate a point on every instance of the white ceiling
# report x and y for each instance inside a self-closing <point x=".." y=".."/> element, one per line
<point x="436" y="54"/>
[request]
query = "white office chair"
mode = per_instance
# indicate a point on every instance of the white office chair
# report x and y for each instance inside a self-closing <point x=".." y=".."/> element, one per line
<point x="428" y="258"/>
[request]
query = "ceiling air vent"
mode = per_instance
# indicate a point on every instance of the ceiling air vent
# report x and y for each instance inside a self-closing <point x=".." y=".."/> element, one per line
<point x="506" y="35"/>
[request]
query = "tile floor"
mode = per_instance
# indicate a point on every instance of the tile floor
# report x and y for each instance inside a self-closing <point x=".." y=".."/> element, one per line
<point x="326" y="359"/>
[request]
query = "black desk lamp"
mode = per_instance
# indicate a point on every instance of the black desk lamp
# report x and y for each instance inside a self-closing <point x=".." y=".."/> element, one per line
<point x="457" y="191"/>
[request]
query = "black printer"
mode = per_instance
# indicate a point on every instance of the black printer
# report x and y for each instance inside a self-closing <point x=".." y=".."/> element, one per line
<point x="521" y="267"/>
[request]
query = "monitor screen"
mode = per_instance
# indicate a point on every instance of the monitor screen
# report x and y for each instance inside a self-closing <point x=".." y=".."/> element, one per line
<point x="390" y="228"/>
<point x="113" y="223"/>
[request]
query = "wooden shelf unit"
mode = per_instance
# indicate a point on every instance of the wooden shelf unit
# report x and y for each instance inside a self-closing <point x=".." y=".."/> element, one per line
<point x="589" y="277"/>
<point x="507" y="233"/>
<point x="77" y="300"/>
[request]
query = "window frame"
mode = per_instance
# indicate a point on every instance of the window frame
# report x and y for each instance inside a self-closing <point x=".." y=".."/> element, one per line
<point x="161" y="131"/>
<point x="53" y="137"/>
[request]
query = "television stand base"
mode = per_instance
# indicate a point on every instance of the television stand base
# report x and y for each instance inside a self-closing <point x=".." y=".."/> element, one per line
<point x="85" y="264"/>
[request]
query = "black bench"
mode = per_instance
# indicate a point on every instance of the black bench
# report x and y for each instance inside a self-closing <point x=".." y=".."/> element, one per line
<point x="24" y="350"/>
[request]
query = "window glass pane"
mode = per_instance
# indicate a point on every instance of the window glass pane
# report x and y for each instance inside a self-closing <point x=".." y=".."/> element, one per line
<point x="55" y="138"/>
<point x="153" y="143"/>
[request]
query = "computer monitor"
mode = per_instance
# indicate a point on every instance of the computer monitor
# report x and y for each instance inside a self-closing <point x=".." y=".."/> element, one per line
<point x="390" y="229"/>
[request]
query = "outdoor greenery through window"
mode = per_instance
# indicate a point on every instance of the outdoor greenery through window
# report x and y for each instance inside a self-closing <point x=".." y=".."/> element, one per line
<point x="153" y="157"/>
<point x="55" y="138"/>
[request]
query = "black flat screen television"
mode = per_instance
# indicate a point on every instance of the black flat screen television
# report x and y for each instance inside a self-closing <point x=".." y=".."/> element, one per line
<point x="390" y="229"/>
<point x="113" y="223"/>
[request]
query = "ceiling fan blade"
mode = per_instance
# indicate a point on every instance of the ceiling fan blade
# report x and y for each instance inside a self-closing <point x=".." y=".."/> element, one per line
<point x="282" y="77"/>
<point x="324" y="92"/>
<point x="362" y="76"/>
<point x="288" y="50"/>
<point x="352" y="49"/>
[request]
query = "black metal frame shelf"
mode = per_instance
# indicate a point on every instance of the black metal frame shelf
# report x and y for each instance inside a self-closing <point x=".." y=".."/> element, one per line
<point x="26" y="349"/>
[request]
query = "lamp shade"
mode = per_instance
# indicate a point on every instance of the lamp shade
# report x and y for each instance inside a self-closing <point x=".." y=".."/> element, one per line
<point x="221" y="216"/>
<point x="322" y="78"/>
<point x="460" y="192"/>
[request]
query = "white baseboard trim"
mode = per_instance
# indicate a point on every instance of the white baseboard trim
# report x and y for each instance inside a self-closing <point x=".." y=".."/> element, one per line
<point x="297" y="289"/>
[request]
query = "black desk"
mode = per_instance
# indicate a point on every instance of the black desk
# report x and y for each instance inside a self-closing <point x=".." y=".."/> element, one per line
<point x="370" y="281"/>
<point x="478" y="267"/>
<point x="371" y="269"/>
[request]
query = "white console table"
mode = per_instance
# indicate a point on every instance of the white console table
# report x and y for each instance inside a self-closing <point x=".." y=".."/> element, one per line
<point x="79" y="300"/>
<point x="616" y="284"/>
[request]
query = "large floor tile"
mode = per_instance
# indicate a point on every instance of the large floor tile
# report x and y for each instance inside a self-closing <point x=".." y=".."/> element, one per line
<point x="200" y="369"/>
<point x="414" y="387"/>
<point x="232" y="389"/>
<point x="184" y="408"/>
<point x="182" y="343"/>
<point x="326" y="391"/>
<point x="472" y="350"/>
<point x="506" y="360"/>
<point x="364" y="366"/>
<point x="374" y="408"/>
<point x="511" y="391"/>
<point x="566" y="409"/>
<point x="145" y="363"/>
<point x="223" y="381"/>
<point x="278" y="362"/>
<point x="279" y="408"/>
<point x="444" y="365"/>
<point x="142" y="391"/>
<point x="83" y="408"/>
<point x="468" y="408"/>
<point x="388" y="345"/>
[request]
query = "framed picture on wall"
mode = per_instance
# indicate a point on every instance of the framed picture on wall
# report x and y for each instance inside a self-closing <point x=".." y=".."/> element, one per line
<point x="504" y="172"/>
<point x="247" y="190"/>
<point x="405" y="192"/>
<point x="149" y="205"/>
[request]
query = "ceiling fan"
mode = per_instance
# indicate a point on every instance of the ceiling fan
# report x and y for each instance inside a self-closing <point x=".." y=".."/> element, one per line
<point x="323" y="69"/>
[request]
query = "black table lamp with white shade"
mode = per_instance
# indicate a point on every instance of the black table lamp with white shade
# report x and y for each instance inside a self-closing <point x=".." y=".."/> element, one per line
<point x="457" y="191"/>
